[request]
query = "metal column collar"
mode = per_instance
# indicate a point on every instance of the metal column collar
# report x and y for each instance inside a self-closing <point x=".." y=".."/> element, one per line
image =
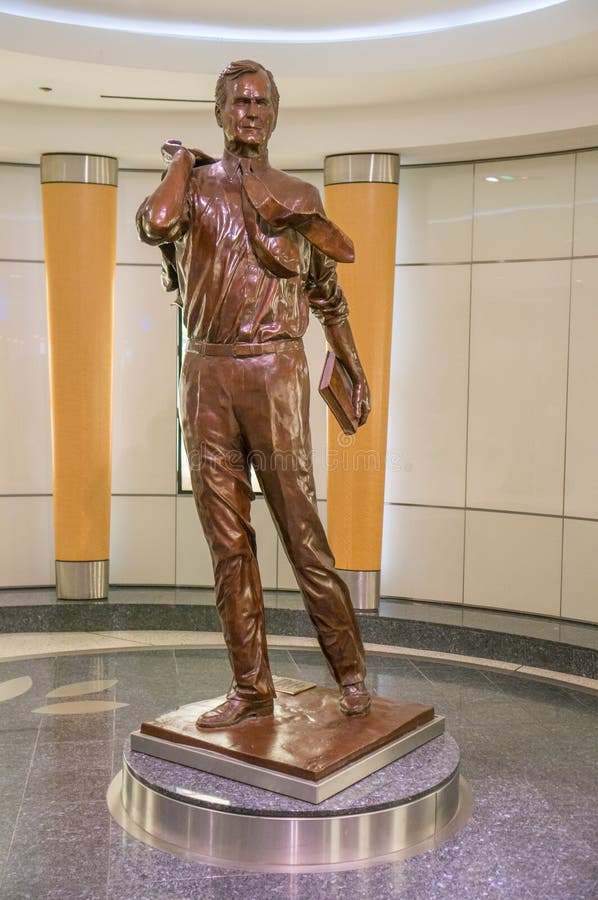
<point x="82" y="168"/>
<point x="348" y="168"/>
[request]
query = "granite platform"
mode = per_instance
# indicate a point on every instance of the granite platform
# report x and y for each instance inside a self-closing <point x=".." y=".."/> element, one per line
<point x="220" y="820"/>
<point x="415" y="775"/>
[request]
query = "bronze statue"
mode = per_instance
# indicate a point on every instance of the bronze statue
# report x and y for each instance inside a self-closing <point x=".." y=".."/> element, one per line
<point x="251" y="251"/>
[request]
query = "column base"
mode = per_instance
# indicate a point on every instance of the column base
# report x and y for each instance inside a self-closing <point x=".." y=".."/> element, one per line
<point x="82" y="579"/>
<point x="364" y="587"/>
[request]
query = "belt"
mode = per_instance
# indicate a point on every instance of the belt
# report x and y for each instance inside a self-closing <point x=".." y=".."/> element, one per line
<point x="242" y="349"/>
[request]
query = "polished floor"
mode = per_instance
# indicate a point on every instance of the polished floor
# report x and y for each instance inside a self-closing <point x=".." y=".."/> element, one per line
<point x="579" y="634"/>
<point x="529" y="751"/>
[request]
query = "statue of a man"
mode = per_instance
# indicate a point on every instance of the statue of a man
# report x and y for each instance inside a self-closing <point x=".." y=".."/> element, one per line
<point x="253" y="251"/>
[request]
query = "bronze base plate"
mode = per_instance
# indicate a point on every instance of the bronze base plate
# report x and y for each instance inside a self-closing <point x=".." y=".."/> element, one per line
<point x="307" y="737"/>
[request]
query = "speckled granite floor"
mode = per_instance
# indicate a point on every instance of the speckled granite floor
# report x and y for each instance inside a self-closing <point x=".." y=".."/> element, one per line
<point x="529" y="751"/>
<point x="542" y="642"/>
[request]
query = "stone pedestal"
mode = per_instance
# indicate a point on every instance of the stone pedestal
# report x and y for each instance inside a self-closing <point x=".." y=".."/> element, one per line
<point x="307" y="749"/>
<point x="306" y="786"/>
<point x="410" y="805"/>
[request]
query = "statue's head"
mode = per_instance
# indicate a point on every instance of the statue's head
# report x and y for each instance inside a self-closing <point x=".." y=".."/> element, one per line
<point x="246" y="105"/>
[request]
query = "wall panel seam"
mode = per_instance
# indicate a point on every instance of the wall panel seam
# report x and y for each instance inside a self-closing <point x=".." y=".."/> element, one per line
<point x="22" y="260"/>
<point x="567" y="373"/>
<point x="139" y="265"/>
<point x="493" y="262"/>
<point x="468" y="386"/>
<point x="143" y="495"/>
<point x="489" y="509"/>
<point x="24" y="495"/>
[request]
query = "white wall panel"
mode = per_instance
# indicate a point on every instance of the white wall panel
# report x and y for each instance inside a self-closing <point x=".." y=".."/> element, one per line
<point x="516" y="402"/>
<point x="142" y="540"/>
<point x="528" y="212"/>
<point x="193" y="560"/>
<point x="286" y="576"/>
<point x="518" y="375"/>
<point x="580" y="570"/>
<point x="585" y="241"/>
<point x="422" y="553"/>
<point x="435" y="214"/>
<point x="21" y="229"/>
<point x="133" y="187"/>
<point x="26" y="447"/>
<point x="267" y="542"/>
<point x="315" y="351"/>
<point x="581" y="477"/>
<point x="513" y="562"/>
<point x="26" y="542"/>
<point x="194" y="564"/>
<point x="312" y="176"/>
<point x="144" y="405"/>
<point x="428" y="386"/>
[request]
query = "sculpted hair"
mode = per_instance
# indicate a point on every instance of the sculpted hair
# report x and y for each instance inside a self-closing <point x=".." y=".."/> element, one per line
<point x="244" y="67"/>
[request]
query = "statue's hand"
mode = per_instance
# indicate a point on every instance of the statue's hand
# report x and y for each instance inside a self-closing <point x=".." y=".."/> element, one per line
<point x="171" y="147"/>
<point x="361" y="396"/>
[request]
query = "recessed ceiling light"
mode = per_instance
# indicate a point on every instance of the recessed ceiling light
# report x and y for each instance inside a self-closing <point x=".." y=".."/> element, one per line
<point x="492" y="178"/>
<point x="425" y="24"/>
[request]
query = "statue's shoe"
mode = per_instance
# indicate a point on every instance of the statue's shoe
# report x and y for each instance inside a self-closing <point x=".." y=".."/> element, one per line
<point x="234" y="710"/>
<point x="355" y="700"/>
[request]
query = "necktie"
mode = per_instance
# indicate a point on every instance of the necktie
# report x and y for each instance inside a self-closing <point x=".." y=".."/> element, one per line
<point x="270" y="196"/>
<point x="275" y="248"/>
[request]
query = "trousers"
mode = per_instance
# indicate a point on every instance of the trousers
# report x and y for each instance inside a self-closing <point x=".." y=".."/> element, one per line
<point x="242" y="410"/>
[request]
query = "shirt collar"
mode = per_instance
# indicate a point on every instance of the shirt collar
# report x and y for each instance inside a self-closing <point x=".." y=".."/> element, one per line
<point x="231" y="162"/>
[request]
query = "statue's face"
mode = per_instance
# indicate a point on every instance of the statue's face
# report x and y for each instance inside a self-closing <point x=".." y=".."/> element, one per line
<point x="247" y="117"/>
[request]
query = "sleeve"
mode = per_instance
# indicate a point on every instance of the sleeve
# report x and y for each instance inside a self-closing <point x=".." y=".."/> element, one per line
<point x="141" y="232"/>
<point x="326" y="298"/>
<point x="152" y="233"/>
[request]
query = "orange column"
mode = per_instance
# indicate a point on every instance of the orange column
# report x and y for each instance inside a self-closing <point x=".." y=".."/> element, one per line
<point x="361" y="196"/>
<point x="79" y="210"/>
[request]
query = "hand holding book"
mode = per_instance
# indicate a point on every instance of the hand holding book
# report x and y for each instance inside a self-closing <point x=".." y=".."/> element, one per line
<point x="345" y="400"/>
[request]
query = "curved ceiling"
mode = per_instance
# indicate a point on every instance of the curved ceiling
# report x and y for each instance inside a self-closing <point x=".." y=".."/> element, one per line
<point x="517" y="46"/>
<point x="404" y="58"/>
<point x="310" y="21"/>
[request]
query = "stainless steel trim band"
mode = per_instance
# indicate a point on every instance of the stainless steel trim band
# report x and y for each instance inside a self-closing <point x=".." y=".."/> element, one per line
<point x="82" y="580"/>
<point x="364" y="587"/>
<point x="280" y="841"/>
<point x="348" y="168"/>
<point x="83" y="168"/>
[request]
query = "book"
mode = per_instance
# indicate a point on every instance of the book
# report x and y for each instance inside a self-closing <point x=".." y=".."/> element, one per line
<point x="336" y="388"/>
